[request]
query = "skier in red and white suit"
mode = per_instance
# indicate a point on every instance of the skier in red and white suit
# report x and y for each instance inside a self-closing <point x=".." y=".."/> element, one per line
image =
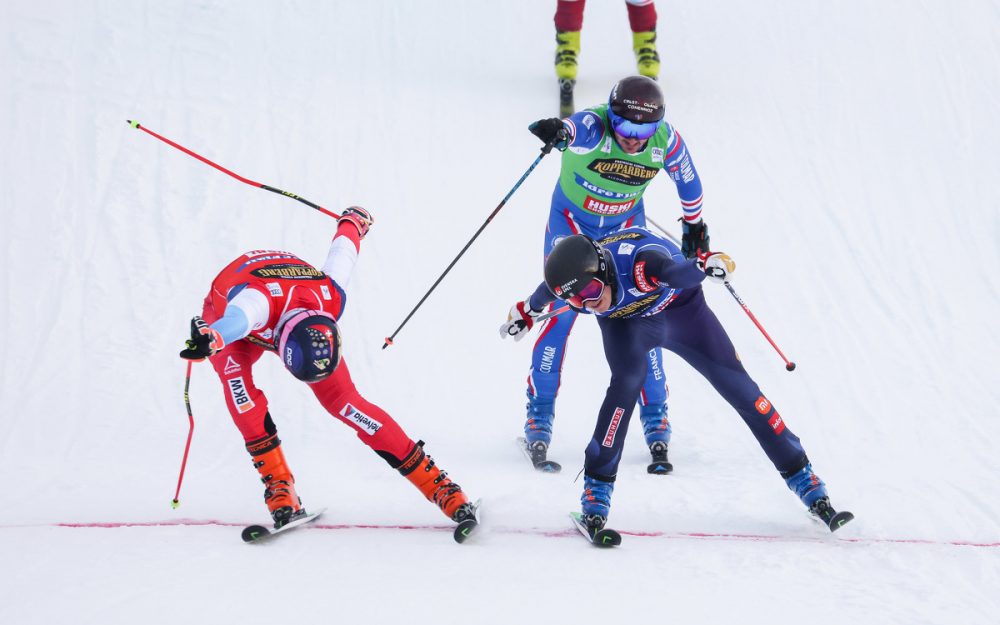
<point x="274" y="301"/>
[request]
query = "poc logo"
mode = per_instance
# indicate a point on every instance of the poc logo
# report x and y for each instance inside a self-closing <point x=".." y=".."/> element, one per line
<point x="288" y="356"/>
<point x="238" y="392"/>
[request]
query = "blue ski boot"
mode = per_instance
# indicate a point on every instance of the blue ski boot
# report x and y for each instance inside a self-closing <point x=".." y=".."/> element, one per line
<point x="806" y="485"/>
<point x="812" y="491"/>
<point x="656" y="429"/>
<point x="596" y="502"/>
<point x="538" y="431"/>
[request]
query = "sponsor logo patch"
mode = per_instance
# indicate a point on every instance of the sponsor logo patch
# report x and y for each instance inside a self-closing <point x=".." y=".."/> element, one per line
<point x="275" y="289"/>
<point x="367" y="425"/>
<point x="325" y="290"/>
<point x="635" y="307"/>
<point x="238" y="392"/>
<point x="622" y="171"/>
<point x="602" y="207"/>
<point x="763" y="405"/>
<point x="609" y="438"/>
<point x="624" y="236"/>
<point x="657" y="155"/>
<point x="625" y="248"/>
<point x="776" y="423"/>
<point x="289" y="271"/>
<point x="639" y="275"/>
<point x="231" y="366"/>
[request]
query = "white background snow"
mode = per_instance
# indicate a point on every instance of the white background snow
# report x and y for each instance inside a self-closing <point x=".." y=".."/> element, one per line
<point x="848" y="152"/>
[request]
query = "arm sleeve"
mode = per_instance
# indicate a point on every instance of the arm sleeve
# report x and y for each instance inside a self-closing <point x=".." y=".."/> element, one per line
<point x="586" y="129"/>
<point x="343" y="254"/>
<point x="681" y="168"/>
<point x="246" y="312"/>
<point x="658" y="268"/>
<point x="541" y="297"/>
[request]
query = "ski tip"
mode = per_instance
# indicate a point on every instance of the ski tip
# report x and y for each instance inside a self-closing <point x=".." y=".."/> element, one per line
<point x="607" y="538"/>
<point x="253" y="533"/>
<point x="659" y="468"/>
<point x="548" y="466"/>
<point x="840" y="519"/>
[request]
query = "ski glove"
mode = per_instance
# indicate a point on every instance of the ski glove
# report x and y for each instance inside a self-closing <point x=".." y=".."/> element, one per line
<point x="718" y="266"/>
<point x="519" y="320"/>
<point x="359" y="218"/>
<point x="204" y="341"/>
<point x="551" y="131"/>
<point x="694" y="239"/>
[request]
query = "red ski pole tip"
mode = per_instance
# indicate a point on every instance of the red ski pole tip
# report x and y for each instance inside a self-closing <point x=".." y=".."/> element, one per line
<point x="790" y="366"/>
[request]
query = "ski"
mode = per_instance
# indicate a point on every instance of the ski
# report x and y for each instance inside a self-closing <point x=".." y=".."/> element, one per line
<point x="468" y="526"/>
<point x="823" y="512"/>
<point x="566" y="97"/>
<point x="537" y="458"/>
<point x="660" y="465"/>
<point x="259" y="533"/>
<point x="603" y="537"/>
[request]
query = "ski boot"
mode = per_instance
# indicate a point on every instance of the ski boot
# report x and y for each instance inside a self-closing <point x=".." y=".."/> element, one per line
<point x="646" y="58"/>
<point x="656" y="429"/>
<point x="812" y="491"/>
<point x="596" y="501"/>
<point x="436" y="486"/>
<point x="538" y="433"/>
<point x="567" y="51"/>
<point x="279" y="483"/>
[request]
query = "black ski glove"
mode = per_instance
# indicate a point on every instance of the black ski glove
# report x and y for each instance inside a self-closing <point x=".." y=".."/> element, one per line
<point x="694" y="239"/>
<point x="551" y="131"/>
<point x="204" y="341"/>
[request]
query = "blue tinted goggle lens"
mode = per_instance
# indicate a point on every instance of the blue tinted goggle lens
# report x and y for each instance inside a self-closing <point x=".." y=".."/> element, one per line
<point x="633" y="130"/>
<point x="592" y="291"/>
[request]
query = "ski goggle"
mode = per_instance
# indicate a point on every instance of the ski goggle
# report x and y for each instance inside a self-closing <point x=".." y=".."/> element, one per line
<point x="591" y="292"/>
<point x="630" y="129"/>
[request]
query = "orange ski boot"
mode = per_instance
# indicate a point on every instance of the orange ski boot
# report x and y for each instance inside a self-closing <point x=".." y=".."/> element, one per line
<point x="279" y="483"/>
<point x="435" y="484"/>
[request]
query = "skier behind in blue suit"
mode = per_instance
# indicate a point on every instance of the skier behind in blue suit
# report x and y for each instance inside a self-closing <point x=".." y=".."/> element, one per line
<point x="646" y="294"/>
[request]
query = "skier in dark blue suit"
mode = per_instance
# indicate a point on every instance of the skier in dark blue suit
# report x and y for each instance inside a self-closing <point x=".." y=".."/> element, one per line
<point x="645" y="294"/>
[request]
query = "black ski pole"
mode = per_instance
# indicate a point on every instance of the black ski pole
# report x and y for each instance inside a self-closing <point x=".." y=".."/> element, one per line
<point x="545" y="150"/>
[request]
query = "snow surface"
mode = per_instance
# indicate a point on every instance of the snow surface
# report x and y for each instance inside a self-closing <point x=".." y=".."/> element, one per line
<point x="848" y="152"/>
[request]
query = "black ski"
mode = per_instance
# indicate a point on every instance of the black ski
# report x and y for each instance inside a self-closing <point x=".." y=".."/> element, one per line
<point x="537" y="457"/>
<point x="259" y="533"/>
<point x="566" y="97"/>
<point x="603" y="537"/>
<point x="468" y="526"/>
<point x="824" y="513"/>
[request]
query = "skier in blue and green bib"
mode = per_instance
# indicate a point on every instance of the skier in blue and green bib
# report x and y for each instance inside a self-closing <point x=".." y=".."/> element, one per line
<point x="610" y="153"/>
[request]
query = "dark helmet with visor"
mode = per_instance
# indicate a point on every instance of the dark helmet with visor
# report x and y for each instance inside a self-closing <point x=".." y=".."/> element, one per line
<point x="635" y="107"/>
<point x="578" y="270"/>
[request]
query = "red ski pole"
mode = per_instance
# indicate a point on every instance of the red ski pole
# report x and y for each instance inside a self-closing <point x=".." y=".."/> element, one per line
<point x="789" y="365"/>
<point x="252" y="183"/>
<point x="187" y="446"/>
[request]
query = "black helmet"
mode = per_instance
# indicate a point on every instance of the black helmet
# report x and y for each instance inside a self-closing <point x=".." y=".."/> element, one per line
<point x="309" y="344"/>
<point x="635" y="107"/>
<point x="573" y="264"/>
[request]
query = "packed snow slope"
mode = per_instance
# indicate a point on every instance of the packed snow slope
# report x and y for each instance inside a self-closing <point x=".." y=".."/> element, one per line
<point x="848" y="152"/>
